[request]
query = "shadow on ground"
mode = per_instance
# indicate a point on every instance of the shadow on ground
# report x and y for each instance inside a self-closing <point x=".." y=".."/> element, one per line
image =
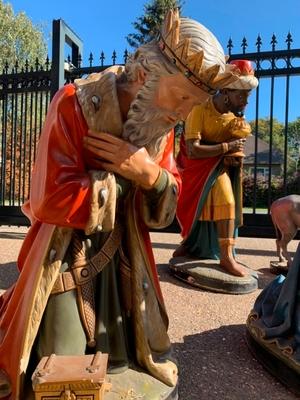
<point x="12" y="235"/>
<point x="166" y="246"/>
<point x="259" y="252"/>
<point x="214" y="361"/>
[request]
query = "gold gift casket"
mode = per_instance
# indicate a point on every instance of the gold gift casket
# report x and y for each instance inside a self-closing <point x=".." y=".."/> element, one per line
<point x="71" y="377"/>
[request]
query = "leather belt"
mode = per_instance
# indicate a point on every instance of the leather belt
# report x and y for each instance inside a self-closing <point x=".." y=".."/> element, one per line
<point x="83" y="273"/>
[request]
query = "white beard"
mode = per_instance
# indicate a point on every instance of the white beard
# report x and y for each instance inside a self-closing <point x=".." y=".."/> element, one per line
<point x="146" y="126"/>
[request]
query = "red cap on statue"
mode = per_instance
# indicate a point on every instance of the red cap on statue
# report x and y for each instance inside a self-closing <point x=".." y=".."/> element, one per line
<point x="245" y="72"/>
<point x="245" y="66"/>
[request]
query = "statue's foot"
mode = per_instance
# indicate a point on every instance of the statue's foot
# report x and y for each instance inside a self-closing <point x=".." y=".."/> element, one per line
<point x="233" y="267"/>
<point x="181" y="251"/>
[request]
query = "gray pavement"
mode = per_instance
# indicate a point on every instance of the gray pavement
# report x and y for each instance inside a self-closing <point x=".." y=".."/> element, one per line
<point x="207" y="329"/>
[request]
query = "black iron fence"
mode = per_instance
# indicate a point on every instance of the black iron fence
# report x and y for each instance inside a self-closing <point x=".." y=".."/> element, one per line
<point x="275" y="171"/>
<point x="24" y="99"/>
<point x="25" y="95"/>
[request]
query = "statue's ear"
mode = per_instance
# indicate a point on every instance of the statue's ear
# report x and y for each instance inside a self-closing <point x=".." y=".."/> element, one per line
<point x="141" y="75"/>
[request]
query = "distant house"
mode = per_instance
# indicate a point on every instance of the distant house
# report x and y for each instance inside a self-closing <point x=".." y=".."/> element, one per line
<point x="262" y="161"/>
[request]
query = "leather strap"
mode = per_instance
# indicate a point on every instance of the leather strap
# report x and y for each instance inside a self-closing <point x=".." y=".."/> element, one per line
<point x="83" y="273"/>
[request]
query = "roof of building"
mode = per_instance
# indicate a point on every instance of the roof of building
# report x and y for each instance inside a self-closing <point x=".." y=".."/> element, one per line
<point x="263" y="152"/>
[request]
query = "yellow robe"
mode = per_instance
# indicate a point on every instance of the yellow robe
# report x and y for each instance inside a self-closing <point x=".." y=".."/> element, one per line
<point x="209" y="126"/>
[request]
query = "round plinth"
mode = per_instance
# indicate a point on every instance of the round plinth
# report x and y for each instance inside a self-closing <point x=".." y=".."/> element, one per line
<point x="208" y="275"/>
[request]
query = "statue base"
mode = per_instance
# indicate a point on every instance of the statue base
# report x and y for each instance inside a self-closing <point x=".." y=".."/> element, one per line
<point x="273" y="364"/>
<point x="208" y="275"/>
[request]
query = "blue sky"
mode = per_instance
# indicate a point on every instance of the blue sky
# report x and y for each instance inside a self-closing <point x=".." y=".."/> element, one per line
<point x="104" y="25"/>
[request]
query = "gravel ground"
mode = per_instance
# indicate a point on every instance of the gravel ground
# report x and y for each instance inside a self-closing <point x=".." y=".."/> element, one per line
<point x="207" y="329"/>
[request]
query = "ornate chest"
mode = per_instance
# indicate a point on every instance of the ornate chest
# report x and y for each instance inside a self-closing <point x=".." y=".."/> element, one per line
<point x="71" y="377"/>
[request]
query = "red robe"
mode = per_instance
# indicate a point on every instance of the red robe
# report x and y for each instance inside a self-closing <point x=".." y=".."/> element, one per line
<point x="194" y="174"/>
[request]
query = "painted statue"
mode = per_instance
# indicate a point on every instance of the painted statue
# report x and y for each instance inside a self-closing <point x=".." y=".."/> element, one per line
<point x="273" y="328"/>
<point x="103" y="176"/>
<point x="209" y="161"/>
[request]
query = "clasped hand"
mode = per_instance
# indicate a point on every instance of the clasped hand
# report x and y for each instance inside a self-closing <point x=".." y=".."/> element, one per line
<point x="236" y="145"/>
<point x="108" y="152"/>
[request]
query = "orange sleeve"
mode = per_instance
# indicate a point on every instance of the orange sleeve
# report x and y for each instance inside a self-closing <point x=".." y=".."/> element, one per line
<point x="60" y="187"/>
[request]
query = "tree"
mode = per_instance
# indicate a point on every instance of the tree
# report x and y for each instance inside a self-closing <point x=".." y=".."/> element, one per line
<point x="294" y="143"/>
<point x="20" y="39"/>
<point x="278" y="138"/>
<point x="264" y="129"/>
<point x="21" y="42"/>
<point x="294" y="130"/>
<point x="149" y="24"/>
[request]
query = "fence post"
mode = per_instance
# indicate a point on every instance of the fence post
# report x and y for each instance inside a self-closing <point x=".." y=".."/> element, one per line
<point x="61" y="35"/>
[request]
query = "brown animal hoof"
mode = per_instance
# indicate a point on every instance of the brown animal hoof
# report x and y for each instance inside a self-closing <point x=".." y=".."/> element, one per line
<point x="279" y="267"/>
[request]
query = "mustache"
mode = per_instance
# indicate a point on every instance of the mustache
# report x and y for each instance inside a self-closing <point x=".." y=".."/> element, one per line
<point x="144" y="127"/>
<point x="145" y="121"/>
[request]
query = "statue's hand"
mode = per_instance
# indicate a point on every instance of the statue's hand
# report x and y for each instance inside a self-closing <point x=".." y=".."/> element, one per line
<point x="236" y="145"/>
<point x="116" y="155"/>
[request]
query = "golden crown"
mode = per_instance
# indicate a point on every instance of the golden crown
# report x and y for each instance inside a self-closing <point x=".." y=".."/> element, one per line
<point x="190" y="62"/>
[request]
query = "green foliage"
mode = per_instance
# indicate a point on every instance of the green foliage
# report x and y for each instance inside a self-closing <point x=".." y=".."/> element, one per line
<point x="264" y="128"/>
<point x="148" y="25"/>
<point x="278" y="138"/>
<point x="294" y="144"/>
<point x="20" y="39"/>
<point x="294" y="130"/>
<point x="263" y="191"/>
